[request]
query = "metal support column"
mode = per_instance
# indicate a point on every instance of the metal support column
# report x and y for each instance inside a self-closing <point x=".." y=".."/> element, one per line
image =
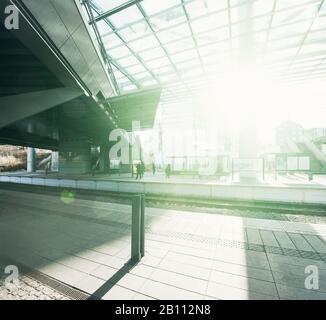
<point x="138" y="228"/>
<point x="247" y="87"/>
<point x="31" y="160"/>
<point x="142" y="226"/>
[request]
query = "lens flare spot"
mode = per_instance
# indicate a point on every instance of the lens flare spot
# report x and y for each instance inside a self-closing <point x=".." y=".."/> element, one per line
<point x="67" y="196"/>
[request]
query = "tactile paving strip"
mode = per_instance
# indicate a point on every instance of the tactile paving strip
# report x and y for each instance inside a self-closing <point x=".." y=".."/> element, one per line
<point x="240" y="245"/>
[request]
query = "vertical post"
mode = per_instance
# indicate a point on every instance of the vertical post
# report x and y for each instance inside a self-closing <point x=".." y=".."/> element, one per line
<point x="136" y="228"/>
<point x="142" y="225"/>
<point x="104" y="156"/>
<point x="55" y="161"/>
<point x="246" y="86"/>
<point x="232" y="169"/>
<point x="31" y="160"/>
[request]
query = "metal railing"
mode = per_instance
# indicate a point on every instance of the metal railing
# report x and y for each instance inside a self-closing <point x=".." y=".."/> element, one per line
<point x="138" y="204"/>
<point x="248" y="165"/>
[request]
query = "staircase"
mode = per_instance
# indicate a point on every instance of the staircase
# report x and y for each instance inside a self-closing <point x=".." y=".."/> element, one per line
<point x="318" y="158"/>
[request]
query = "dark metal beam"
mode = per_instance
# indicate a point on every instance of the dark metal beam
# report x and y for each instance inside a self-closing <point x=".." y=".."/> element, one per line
<point x="102" y="48"/>
<point x="18" y="107"/>
<point x="115" y="10"/>
<point x="32" y="35"/>
<point x="25" y="139"/>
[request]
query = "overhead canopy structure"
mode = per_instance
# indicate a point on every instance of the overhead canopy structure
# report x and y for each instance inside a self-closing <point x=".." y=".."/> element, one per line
<point x="179" y="44"/>
<point x="139" y="107"/>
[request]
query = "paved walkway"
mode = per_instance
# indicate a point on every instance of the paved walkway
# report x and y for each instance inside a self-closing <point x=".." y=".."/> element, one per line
<point x="189" y="255"/>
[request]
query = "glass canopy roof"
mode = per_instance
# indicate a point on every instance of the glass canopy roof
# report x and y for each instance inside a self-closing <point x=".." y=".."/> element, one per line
<point x="182" y="44"/>
<point x="217" y="61"/>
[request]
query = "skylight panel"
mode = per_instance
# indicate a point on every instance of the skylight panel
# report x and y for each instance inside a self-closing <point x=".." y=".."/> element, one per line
<point x="126" y="16"/>
<point x="154" y="6"/>
<point x="135" y="31"/>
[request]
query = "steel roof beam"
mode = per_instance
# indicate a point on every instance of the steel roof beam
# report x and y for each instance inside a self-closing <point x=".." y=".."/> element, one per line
<point x="192" y="34"/>
<point x="161" y="44"/>
<point x="220" y="41"/>
<point x="114" y="11"/>
<point x="102" y="49"/>
<point x="219" y="11"/>
<point x="307" y="33"/>
<point x="113" y="61"/>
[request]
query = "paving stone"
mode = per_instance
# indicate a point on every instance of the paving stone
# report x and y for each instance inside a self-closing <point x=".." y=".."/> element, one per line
<point x="131" y="281"/>
<point x="225" y="292"/>
<point x="254" y="236"/>
<point x="293" y="293"/>
<point x="287" y="262"/>
<point x="268" y="238"/>
<point x="142" y="270"/>
<point x="167" y="292"/>
<point x="316" y="243"/>
<point x="300" y="242"/>
<point x="139" y="296"/>
<point x="185" y="269"/>
<point x="119" y="293"/>
<point x="89" y="284"/>
<point x="242" y="282"/>
<point x="297" y="279"/>
<point x="104" y="272"/>
<point x="190" y="259"/>
<point x="180" y="281"/>
<point x="284" y="240"/>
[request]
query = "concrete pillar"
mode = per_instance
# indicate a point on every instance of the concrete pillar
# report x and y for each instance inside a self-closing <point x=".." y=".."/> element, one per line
<point x="31" y="160"/>
<point x="104" y="157"/>
<point x="55" y="161"/>
<point x="74" y="156"/>
<point x="247" y="87"/>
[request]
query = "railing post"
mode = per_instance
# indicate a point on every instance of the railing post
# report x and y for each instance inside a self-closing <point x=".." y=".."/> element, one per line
<point x="232" y="169"/>
<point x="142" y="225"/>
<point x="136" y="229"/>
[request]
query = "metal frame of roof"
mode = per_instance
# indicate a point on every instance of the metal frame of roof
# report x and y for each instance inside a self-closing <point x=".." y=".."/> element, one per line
<point x="179" y="44"/>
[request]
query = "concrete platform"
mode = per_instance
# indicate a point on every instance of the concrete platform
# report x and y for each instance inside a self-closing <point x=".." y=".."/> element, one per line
<point x="290" y="189"/>
<point x="189" y="255"/>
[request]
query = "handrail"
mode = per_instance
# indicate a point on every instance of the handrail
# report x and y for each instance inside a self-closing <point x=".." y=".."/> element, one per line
<point x="138" y="205"/>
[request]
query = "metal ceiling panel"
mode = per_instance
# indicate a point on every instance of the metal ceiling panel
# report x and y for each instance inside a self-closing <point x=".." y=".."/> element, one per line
<point x="138" y="106"/>
<point x="65" y="25"/>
